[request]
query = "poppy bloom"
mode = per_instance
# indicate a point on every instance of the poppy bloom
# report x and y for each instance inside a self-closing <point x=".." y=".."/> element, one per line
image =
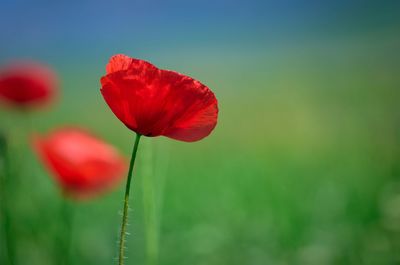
<point x="154" y="102"/>
<point x="83" y="165"/>
<point x="26" y="84"/>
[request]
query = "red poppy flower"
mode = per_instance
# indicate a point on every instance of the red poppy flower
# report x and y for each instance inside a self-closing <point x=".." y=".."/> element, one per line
<point x="26" y="84"/>
<point x="83" y="165"/>
<point x="154" y="102"/>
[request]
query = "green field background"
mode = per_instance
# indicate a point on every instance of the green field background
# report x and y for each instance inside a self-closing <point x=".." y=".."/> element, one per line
<point x="302" y="168"/>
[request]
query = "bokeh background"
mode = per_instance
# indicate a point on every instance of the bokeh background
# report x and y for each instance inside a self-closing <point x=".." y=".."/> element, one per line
<point x="303" y="167"/>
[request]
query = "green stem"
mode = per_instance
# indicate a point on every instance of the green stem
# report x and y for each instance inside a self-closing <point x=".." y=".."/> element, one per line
<point x="8" y="243"/>
<point x="150" y="207"/>
<point x="126" y="200"/>
<point x="65" y="236"/>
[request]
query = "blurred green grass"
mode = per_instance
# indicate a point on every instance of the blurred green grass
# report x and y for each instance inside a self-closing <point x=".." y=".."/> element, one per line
<point x="303" y="167"/>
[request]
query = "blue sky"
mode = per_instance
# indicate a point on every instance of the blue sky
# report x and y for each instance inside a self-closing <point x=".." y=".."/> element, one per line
<point x="72" y="28"/>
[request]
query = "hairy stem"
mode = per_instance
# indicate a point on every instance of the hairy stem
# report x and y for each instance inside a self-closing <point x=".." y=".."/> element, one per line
<point x="126" y="201"/>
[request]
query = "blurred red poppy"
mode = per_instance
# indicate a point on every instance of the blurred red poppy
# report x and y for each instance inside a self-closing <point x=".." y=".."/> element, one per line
<point x="154" y="102"/>
<point x="83" y="165"/>
<point x="27" y="85"/>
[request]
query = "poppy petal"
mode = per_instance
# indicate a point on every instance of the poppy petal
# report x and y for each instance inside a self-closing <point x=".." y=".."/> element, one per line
<point x="83" y="165"/>
<point x="154" y="102"/>
<point x="27" y="84"/>
<point x="192" y="105"/>
<point x="118" y="62"/>
<point x="121" y="62"/>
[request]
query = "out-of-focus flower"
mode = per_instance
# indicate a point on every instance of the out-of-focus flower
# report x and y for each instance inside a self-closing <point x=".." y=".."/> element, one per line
<point x="83" y="165"/>
<point x="27" y="85"/>
<point x="154" y="102"/>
